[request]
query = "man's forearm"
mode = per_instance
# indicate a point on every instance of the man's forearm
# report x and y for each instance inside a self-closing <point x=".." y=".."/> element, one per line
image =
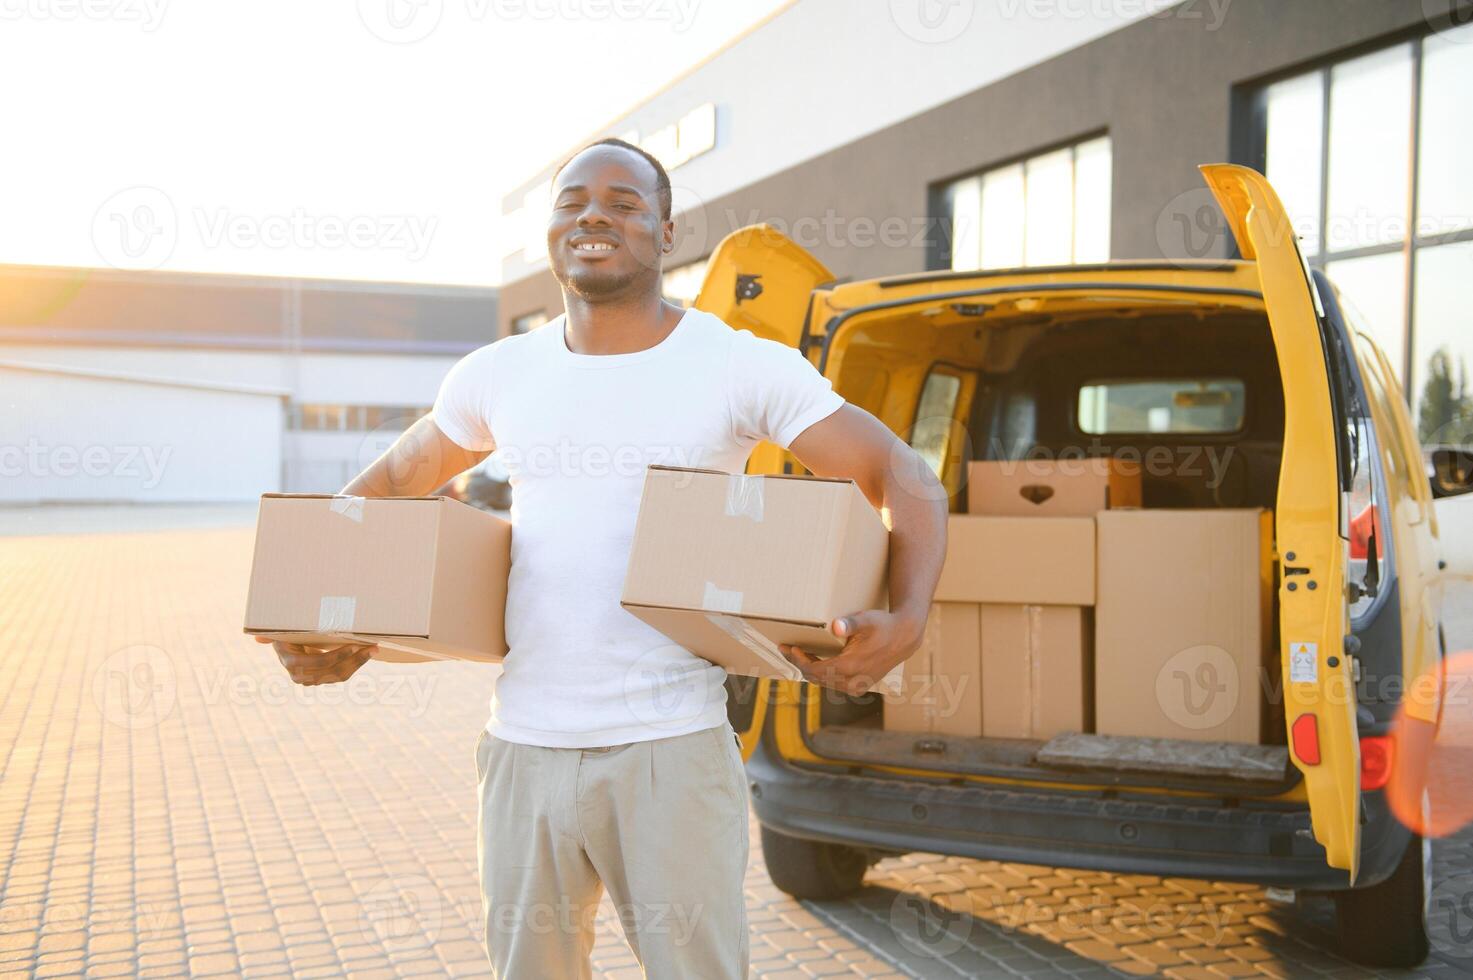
<point x="917" y="543"/>
<point x="419" y="462"/>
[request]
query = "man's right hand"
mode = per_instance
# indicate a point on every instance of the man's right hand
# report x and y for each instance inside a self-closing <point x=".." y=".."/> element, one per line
<point x="310" y="666"/>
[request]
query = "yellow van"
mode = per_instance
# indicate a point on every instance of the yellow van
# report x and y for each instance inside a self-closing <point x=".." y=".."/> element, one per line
<point x="993" y="365"/>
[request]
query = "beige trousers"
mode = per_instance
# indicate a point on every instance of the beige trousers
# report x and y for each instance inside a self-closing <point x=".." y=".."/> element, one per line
<point x="661" y="824"/>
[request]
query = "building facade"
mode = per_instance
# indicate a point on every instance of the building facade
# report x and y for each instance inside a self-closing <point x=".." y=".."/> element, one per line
<point x="160" y="387"/>
<point x="1068" y="131"/>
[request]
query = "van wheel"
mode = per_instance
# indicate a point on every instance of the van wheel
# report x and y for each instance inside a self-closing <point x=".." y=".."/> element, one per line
<point x="812" y="869"/>
<point x="1386" y="924"/>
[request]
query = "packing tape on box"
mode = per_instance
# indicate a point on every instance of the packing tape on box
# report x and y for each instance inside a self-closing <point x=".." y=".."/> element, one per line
<point x="760" y="645"/>
<point x="349" y="507"/>
<point x="335" y="613"/>
<point x="1034" y="627"/>
<point x="744" y="496"/>
<point x="721" y="600"/>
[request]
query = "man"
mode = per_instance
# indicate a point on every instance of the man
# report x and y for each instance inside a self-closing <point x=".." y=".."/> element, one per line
<point x="608" y="760"/>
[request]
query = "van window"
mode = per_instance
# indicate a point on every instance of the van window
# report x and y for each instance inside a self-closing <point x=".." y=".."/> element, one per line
<point x="1161" y="405"/>
<point x="931" y="435"/>
<point x="1366" y="507"/>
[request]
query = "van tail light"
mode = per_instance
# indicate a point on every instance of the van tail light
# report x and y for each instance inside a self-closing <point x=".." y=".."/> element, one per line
<point x="1375" y="761"/>
<point x="1305" y="734"/>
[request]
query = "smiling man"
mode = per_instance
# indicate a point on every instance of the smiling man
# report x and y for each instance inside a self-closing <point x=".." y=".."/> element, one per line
<point x="608" y="761"/>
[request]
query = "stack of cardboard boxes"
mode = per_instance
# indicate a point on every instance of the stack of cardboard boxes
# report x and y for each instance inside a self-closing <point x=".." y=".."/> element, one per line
<point x="727" y="565"/>
<point x="1066" y="607"/>
<point x="1063" y="605"/>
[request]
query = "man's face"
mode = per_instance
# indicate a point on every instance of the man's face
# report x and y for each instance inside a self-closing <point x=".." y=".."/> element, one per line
<point x="605" y="238"/>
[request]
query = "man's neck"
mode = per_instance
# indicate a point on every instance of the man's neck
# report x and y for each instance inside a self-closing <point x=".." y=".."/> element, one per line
<point x="617" y="326"/>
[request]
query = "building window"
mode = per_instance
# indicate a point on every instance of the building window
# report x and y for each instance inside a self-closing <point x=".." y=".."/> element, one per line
<point x="529" y="321"/>
<point x="1369" y="155"/>
<point x="1050" y="209"/>
<point x="682" y="284"/>
<point x="353" y="418"/>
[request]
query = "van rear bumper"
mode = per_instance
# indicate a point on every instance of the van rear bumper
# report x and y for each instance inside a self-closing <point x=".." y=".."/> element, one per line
<point x="1159" y="836"/>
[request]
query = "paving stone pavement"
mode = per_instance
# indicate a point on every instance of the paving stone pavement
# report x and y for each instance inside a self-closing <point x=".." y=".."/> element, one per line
<point x="170" y="805"/>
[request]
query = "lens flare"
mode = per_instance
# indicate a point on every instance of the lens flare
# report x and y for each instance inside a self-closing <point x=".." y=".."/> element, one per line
<point x="1431" y="784"/>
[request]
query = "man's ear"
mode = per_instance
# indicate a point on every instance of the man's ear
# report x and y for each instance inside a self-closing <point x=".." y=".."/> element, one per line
<point x="667" y="237"/>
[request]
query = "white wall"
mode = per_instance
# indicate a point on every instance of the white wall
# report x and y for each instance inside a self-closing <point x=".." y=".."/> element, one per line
<point x="823" y="73"/>
<point x="313" y="461"/>
<point x="67" y="437"/>
<point x="352" y="379"/>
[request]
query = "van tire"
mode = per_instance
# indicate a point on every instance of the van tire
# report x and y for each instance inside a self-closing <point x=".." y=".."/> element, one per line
<point x="812" y="869"/>
<point x="1386" y="924"/>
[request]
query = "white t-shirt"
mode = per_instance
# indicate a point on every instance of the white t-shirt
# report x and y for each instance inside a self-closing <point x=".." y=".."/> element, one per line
<point x="575" y="433"/>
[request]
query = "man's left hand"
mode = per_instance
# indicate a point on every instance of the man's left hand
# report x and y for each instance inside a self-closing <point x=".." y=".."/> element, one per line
<point x="874" y="642"/>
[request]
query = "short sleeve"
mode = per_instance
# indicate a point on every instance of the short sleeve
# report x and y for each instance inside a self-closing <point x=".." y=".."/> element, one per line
<point x="463" y="405"/>
<point x="775" y="392"/>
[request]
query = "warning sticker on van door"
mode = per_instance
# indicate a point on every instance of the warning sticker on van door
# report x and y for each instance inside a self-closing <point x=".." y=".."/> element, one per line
<point x="1304" y="662"/>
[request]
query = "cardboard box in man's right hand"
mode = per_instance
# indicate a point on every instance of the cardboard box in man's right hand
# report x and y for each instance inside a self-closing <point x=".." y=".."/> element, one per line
<point x="729" y="565"/>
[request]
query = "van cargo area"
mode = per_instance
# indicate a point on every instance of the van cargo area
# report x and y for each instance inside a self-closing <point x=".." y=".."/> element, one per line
<point x="1191" y="394"/>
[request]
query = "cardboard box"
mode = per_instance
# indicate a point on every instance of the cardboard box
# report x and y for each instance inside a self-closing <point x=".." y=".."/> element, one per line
<point x="941" y="683"/>
<point x="1182" y="623"/>
<point x="729" y="566"/>
<point x="1039" y="560"/>
<point x="1036" y="679"/>
<point x="422" y="577"/>
<point x="1052" y="487"/>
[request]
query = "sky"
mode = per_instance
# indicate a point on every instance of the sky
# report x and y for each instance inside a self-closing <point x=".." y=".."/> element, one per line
<point x="360" y="139"/>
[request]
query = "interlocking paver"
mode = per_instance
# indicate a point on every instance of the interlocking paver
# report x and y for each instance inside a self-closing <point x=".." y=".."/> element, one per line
<point x="172" y="804"/>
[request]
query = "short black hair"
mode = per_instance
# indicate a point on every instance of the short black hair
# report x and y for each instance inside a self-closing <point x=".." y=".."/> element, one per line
<point x="662" y="179"/>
